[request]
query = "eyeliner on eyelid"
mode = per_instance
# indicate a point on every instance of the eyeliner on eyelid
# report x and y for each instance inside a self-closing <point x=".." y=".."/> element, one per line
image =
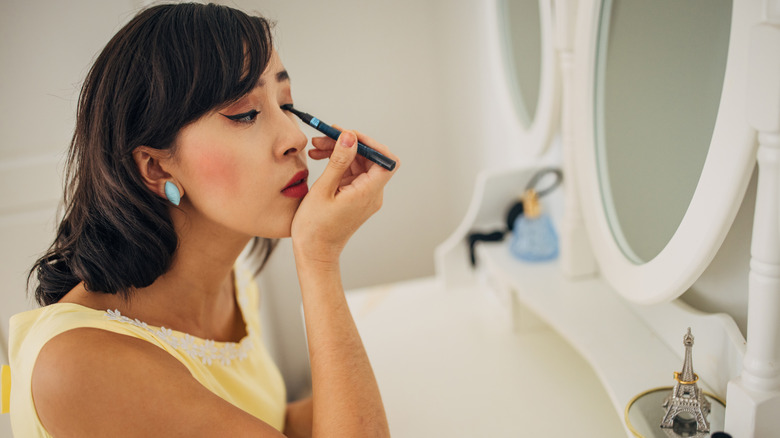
<point x="237" y="117"/>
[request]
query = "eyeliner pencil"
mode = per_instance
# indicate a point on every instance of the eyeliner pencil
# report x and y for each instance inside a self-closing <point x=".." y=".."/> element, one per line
<point x="319" y="125"/>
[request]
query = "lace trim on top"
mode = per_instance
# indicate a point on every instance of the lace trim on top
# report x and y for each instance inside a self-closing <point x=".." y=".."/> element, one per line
<point x="206" y="350"/>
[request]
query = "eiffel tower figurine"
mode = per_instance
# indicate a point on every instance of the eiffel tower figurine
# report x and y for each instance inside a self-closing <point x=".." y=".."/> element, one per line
<point x="686" y="397"/>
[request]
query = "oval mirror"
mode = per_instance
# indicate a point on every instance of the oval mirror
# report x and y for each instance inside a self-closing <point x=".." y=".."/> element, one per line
<point x="666" y="153"/>
<point x="529" y="65"/>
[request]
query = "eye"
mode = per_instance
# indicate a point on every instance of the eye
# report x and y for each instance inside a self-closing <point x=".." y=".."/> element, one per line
<point x="247" y="117"/>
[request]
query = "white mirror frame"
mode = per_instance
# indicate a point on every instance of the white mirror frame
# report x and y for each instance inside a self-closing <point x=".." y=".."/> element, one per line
<point x="533" y="140"/>
<point x="716" y="200"/>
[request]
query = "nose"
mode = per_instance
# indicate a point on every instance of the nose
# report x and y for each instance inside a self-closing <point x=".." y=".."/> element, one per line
<point x="291" y="139"/>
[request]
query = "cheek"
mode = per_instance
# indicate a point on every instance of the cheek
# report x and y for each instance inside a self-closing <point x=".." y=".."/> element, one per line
<point x="217" y="171"/>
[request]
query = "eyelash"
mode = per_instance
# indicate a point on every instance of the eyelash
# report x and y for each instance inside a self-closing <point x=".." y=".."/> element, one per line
<point x="247" y="117"/>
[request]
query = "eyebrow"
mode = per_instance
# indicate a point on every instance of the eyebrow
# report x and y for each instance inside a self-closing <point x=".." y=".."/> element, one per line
<point x="280" y="77"/>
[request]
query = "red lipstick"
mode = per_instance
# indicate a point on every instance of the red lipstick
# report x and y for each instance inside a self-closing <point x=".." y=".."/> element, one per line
<point x="297" y="187"/>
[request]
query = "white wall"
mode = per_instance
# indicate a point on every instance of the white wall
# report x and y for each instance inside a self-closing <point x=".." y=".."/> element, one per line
<point x="46" y="48"/>
<point x="373" y="66"/>
<point x="45" y="51"/>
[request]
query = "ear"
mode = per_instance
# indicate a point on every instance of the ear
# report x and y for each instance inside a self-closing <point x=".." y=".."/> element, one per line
<point x="152" y="165"/>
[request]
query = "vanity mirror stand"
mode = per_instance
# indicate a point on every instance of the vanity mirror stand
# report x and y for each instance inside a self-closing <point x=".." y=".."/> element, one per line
<point x="630" y="347"/>
<point x="576" y="253"/>
<point x="754" y="397"/>
<point x="626" y="321"/>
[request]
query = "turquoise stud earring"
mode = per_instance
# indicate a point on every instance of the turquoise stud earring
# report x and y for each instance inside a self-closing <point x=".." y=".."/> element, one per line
<point x="172" y="193"/>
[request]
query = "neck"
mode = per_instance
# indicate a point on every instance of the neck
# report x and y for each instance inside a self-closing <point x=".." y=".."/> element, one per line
<point x="196" y="295"/>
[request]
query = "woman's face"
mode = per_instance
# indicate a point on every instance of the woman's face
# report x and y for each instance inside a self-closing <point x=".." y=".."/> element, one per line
<point x="241" y="166"/>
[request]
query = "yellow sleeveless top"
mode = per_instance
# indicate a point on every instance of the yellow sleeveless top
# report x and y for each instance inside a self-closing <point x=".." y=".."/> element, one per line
<point x="242" y="373"/>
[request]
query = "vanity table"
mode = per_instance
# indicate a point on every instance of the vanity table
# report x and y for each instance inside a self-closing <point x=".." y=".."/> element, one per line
<point x="476" y="328"/>
<point x="448" y="363"/>
<point x="660" y="106"/>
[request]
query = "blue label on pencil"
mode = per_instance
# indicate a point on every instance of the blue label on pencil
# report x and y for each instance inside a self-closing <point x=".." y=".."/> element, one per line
<point x="314" y="122"/>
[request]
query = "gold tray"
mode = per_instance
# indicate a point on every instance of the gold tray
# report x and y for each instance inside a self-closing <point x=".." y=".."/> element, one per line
<point x="644" y="412"/>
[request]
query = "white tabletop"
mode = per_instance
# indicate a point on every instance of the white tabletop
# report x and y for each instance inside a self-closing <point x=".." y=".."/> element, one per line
<point x="449" y="364"/>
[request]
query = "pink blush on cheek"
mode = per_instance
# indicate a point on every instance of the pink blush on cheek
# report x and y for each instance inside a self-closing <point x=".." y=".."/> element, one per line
<point x="216" y="171"/>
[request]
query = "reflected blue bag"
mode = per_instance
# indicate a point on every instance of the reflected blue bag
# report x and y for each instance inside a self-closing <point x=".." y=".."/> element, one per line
<point x="533" y="236"/>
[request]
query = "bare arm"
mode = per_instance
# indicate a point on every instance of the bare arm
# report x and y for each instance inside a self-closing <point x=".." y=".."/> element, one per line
<point x="346" y="399"/>
<point x="298" y="421"/>
<point x="92" y="383"/>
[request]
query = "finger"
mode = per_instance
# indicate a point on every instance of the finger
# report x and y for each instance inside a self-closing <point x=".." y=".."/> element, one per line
<point x="347" y="180"/>
<point x="342" y="157"/>
<point x="323" y="143"/>
<point x="373" y="144"/>
<point x="319" y="155"/>
<point x="358" y="166"/>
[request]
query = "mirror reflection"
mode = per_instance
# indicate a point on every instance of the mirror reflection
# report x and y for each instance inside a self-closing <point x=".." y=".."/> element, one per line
<point x="659" y="74"/>
<point x="523" y="53"/>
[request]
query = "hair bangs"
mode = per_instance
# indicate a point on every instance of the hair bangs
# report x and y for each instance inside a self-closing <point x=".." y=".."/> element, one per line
<point x="206" y="57"/>
<point x="235" y="54"/>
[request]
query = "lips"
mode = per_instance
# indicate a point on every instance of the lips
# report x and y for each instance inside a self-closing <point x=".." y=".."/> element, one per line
<point x="297" y="187"/>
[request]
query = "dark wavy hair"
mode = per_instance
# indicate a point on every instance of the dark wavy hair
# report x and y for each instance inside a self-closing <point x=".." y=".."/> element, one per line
<point x="167" y="67"/>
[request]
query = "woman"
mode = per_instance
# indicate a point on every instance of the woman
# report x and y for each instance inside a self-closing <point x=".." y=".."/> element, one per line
<point x="181" y="156"/>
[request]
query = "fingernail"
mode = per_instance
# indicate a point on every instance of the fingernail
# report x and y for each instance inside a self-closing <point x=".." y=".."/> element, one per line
<point x="347" y="139"/>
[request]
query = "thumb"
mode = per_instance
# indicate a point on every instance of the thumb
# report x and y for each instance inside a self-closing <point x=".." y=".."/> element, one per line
<point x="342" y="156"/>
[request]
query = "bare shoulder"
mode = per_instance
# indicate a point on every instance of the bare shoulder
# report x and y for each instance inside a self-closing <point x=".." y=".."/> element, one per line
<point x="92" y="382"/>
